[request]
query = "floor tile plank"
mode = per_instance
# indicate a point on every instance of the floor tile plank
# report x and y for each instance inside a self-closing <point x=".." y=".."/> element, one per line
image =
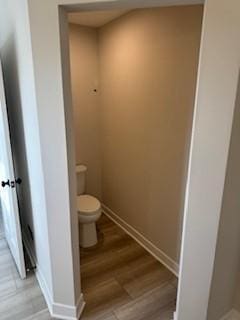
<point x="19" y="299"/>
<point x="151" y="305"/>
<point x="119" y="270"/>
<point x="120" y="281"/>
<point x="105" y="298"/>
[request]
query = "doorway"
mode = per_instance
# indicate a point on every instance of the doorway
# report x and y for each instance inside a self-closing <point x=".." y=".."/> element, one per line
<point x="157" y="122"/>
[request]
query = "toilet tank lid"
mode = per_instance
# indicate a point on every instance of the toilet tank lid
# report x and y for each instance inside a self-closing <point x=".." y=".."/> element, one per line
<point x="81" y="168"/>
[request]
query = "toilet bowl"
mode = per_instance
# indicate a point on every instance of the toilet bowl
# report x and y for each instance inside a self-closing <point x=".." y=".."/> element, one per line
<point x="89" y="211"/>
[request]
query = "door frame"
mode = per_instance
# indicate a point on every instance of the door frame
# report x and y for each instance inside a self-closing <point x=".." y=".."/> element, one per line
<point x="213" y="117"/>
<point x="66" y="78"/>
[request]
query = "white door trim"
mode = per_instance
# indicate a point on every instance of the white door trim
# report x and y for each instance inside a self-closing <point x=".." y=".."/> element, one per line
<point x="214" y="109"/>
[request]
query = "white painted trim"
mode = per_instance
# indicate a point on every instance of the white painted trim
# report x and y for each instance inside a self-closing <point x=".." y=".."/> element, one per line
<point x="40" y="278"/>
<point x="232" y="315"/>
<point x="80" y="306"/>
<point x="76" y="5"/>
<point x="144" y="242"/>
<point x="44" y="288"/>
<point x="57" y="310"/>
<point x="62" y="311"/>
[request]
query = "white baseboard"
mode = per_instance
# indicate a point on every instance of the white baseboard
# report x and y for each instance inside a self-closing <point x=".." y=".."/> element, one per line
<point x="145" y="243"/>
<point x="57" y="310"/>
<point x="61" y="311"/>
<point x="232" y="315"/>
<point x="40" y="278"/>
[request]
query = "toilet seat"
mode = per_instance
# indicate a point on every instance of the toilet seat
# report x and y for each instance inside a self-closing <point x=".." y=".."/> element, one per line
<point x="88" y="205"/>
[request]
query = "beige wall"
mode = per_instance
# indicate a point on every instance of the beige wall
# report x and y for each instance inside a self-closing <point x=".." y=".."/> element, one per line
<point x="148" y="63"/>
<point x="84" y="77"/>
<point x="227" y="260"/>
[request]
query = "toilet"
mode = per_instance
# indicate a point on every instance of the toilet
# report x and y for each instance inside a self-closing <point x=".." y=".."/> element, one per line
<point x="89" y="211"/>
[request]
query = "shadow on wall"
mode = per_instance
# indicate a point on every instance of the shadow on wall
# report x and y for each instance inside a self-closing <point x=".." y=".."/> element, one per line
<point x="16" y="126"/>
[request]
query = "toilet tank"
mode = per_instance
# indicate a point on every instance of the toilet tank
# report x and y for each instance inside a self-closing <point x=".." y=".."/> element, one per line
<point x="81" y="178"/>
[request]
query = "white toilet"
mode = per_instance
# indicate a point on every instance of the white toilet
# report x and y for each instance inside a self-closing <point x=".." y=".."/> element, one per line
<point x="89" y="211"/>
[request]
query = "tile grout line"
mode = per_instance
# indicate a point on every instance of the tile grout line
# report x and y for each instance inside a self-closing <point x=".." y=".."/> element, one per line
<point x="129" y="282"/>
<point x="39" y="313"/>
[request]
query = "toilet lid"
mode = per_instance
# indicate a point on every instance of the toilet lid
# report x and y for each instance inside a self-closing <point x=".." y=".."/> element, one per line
<point x="88" y="204"/>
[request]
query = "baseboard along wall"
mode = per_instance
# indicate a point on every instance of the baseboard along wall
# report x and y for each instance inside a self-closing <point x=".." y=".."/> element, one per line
<point x="142" y="241"/>
<point x="232" y="315"/>
<point x="57" y="310"/>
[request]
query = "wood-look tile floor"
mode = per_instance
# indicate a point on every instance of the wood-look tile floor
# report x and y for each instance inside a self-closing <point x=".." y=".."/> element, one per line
<point x="122" y="281"/>
<point x="19" y="299"/>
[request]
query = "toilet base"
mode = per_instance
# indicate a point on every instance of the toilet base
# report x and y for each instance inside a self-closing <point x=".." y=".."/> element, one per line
<point x="87" y="234"/>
